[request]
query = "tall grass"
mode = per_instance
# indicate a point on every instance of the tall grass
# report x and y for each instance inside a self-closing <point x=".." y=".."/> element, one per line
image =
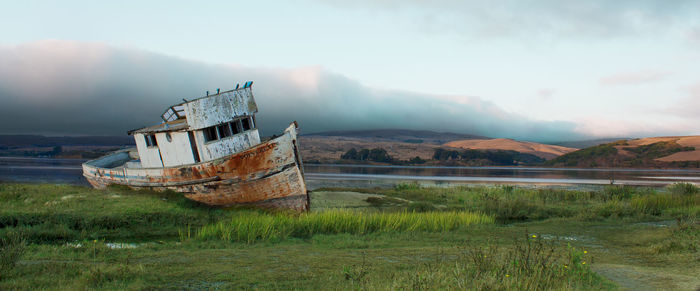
<point x="656" y="204"/>
<point x="684" y="238"/>
<point x="683" y="188"/>
<point x="12" y="247"/>
<point x="45" y="213"/>
<point x="530" y="264"/>
<point x="508" y="203"/>
<point x="255" y="226"/>
<point x="679" y="196"/>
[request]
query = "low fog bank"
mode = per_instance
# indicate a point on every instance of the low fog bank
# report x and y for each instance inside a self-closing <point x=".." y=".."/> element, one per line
<point x="74" y="88"/>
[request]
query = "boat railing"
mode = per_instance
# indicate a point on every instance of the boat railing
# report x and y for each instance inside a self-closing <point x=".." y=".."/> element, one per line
<point x="110" y="161"/>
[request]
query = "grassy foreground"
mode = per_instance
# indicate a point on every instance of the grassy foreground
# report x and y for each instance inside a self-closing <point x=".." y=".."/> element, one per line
<point x="405" y="238"/>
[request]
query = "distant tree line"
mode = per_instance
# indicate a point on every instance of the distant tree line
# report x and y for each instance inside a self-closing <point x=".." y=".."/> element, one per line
<point x="496" y="157"/>
<point x="377" y="155"/>
<point x="374" y="155"/>
<point x="491" y="157"/>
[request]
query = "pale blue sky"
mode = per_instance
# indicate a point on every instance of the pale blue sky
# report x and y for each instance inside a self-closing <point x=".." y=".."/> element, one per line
<point x="613" y="68"/>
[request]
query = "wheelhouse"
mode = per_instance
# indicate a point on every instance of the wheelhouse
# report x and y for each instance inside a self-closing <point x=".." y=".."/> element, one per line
<point x="200" y="130"/>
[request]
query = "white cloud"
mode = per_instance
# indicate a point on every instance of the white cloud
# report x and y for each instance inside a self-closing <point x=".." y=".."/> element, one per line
<point x="632" y="78"/>
<point x="545" y="94"/>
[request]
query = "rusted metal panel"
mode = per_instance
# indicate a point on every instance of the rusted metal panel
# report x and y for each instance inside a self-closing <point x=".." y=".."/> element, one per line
<point x="220" y="108"/>
<point x="269" y="174"/>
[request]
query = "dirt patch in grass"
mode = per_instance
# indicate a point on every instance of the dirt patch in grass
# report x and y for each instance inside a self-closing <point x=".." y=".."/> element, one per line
<point x="323" y="200"/>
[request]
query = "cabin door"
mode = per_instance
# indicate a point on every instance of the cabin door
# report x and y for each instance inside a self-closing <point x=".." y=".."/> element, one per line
<point x="193" y="143"/>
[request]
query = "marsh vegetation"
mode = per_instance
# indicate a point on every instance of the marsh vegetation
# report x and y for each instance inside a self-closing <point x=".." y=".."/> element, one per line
<point x="406" y="237"/>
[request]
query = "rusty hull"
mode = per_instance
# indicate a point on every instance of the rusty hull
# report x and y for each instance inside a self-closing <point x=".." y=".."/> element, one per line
<point x="268" y="175"/>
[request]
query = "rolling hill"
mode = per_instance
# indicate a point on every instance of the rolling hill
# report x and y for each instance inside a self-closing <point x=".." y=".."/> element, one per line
<point x="655" y="152"/>
<point x="544" y="151"/>
<point x="405" y="144"/>
<point x="581" y="144"/>
<point x="684" y="141"/>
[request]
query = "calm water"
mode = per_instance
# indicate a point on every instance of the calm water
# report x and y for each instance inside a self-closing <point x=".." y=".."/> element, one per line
<point x="69" y="171"/>
<point x="369" y="176"/>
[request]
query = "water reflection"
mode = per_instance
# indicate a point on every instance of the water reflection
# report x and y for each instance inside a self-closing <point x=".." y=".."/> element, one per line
<point x="500" y="175"/>
<point x="69" y="171"/>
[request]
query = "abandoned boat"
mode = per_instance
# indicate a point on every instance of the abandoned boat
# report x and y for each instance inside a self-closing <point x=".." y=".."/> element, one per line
<point x="210" y="150"/>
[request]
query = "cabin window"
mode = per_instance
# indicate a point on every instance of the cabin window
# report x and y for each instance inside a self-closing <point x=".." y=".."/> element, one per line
<point x="210" y="133"/>
<point x="246" y="123"/>
<point x="151" y="140"/>
<point x="236" y="126"/>
<point x="224" y="130"/>
<point x="228" y="129"/>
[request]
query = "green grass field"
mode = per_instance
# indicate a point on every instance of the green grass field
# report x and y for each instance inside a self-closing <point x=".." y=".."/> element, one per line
<point x="405" y="238"/>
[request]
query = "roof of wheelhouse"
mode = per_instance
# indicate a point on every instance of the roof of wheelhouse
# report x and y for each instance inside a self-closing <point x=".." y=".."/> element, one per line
<point x="175" y="125"/>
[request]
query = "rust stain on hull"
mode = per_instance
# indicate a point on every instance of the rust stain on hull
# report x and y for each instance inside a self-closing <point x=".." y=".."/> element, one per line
<point x="268" y="175"/>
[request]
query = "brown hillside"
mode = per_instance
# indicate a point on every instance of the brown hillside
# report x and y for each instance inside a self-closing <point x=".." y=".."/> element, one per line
<point x="686" y="141"/>
<point x="541" y="150"/>
<point x="652" y="152"/>
<point x="330" y="148"/>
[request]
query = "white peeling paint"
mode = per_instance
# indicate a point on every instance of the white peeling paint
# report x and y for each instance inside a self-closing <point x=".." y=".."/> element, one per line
<point x="228" y="146"/>
<point x="177" y="151"/>
<point x="150" y="156"/>
<point x="202" y="113"/>
<point x="217" y="109"/>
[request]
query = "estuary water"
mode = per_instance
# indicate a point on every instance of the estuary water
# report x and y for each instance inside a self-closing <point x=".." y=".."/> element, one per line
<point x="69" y="171"/>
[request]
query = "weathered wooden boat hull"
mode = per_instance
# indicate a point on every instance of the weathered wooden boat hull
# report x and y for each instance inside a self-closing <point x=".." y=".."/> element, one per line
<point x="268" y="175"/>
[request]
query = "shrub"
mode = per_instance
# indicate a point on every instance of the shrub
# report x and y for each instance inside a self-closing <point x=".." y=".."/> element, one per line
<point x="614" y="208"/>
<point x="12" y="247"/>
<point x="351" y="154"/>
<point x="407" y="186"/>
<point x="685" y="237"/>
<point x="421" y="207"/>
<point x="416" y="160"/>
<point x="375" y="201"/>
<point x="683" y="188"/>
<point x="510" y="210"/>
<point x="618" y="192"/>
<point x="103" y="276"/>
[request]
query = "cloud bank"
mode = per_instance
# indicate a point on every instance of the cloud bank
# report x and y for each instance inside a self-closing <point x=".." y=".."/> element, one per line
<point x="74" y="88"/>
